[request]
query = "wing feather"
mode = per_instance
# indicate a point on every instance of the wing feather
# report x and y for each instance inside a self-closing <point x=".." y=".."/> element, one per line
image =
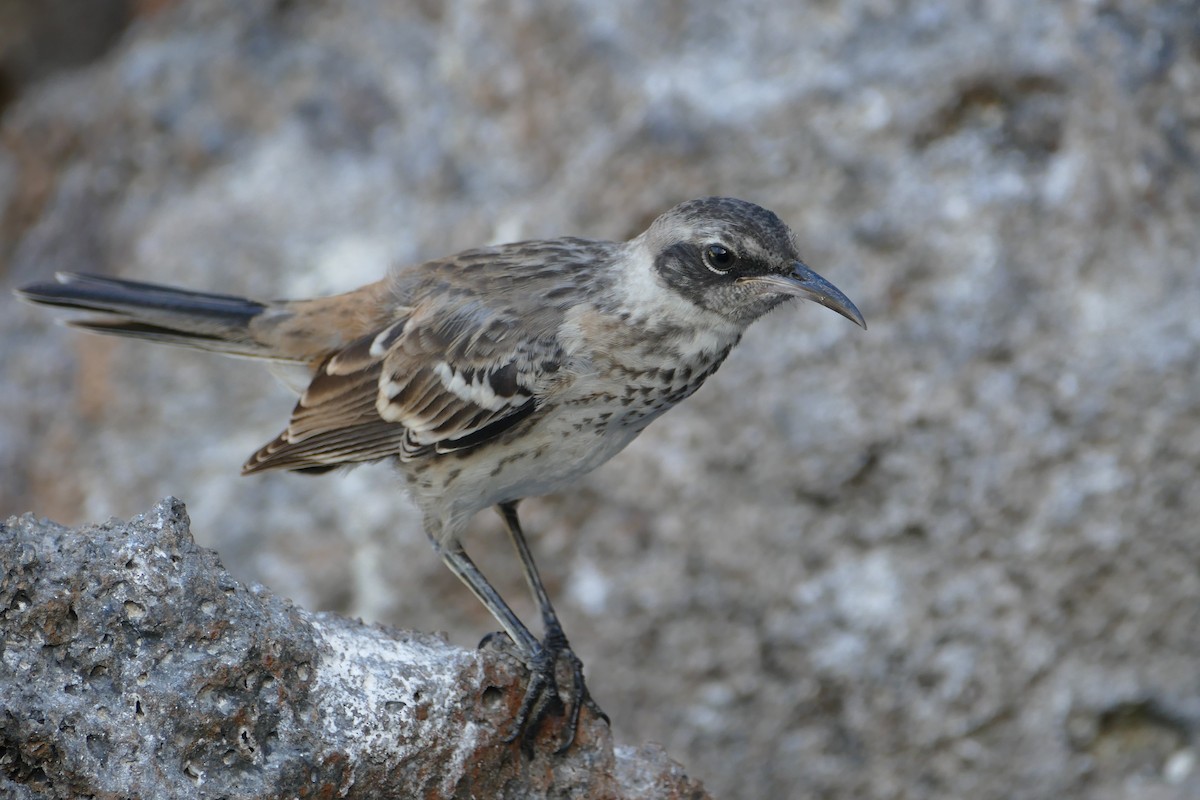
<point x="442" y="378"/>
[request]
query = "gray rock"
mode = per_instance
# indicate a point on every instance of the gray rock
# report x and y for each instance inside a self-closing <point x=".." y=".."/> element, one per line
<point x="134" y="665"/>
<point x="952" y="556"/>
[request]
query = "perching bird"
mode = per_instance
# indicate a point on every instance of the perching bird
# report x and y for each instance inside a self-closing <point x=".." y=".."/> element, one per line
<point x="494" y="374"/>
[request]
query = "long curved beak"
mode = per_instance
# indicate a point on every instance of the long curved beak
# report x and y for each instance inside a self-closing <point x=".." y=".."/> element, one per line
<point x="803" y="282"/>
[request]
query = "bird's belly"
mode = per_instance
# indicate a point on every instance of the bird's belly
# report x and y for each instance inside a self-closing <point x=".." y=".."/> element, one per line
<point x="555" y="454"/>
<point x="552" y="454"/>
<point x="583" y="428"/>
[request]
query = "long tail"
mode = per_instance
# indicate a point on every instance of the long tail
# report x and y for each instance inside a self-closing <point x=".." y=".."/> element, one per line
<point x="217" y="322"/>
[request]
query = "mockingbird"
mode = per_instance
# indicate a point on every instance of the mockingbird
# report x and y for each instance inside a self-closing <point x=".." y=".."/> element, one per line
<point x="494" y="374"/>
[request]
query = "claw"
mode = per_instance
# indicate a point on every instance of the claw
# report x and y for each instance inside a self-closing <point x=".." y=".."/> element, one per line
<point x="496" y="640"/>
<point x="540" y="694"/>
<point x="544" y="696"/>
<point x="579" y="696"/>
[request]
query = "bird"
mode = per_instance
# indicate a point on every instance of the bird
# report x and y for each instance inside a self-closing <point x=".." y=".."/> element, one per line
<point x="492" y="375"/>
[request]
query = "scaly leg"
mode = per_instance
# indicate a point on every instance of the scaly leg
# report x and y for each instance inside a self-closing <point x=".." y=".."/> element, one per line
<point x="542" y="692"/>
<point x="555" y="642"/>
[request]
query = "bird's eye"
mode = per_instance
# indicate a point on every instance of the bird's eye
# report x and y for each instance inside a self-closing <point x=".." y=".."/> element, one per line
<point x="718" y="258"/>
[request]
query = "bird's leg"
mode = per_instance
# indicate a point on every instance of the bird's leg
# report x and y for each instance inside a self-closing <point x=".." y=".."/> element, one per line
<point x="461" y="565"/>
<point x="554" y="644"/>
<point x="542" y="691"/>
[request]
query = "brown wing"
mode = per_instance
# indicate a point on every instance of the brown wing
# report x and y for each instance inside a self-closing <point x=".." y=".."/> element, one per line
<point x="436" y="380"/>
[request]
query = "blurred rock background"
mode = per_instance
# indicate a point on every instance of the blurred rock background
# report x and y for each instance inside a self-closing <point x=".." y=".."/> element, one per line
<point x="957" y="555"/>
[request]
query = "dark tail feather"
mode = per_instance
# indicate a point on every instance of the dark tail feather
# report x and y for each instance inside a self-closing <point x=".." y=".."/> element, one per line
<point x="216" y="322"/>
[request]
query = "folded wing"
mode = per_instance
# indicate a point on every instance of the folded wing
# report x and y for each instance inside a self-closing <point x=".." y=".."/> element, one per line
<point x="435" y="380"/>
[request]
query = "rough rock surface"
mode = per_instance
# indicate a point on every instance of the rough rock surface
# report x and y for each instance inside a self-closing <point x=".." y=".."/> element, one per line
<point x="951" y="556"/>
<point x="134" y="665"/>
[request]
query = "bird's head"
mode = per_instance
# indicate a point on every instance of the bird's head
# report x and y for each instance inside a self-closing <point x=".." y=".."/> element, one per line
<point x="736" y="259"/>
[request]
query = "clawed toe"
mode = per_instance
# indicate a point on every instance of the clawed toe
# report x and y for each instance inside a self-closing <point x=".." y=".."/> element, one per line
<point x="579" y="697"/>
<point x="541" y="696"/>
<point x="498" y="641"/>
<point x="544" y="695"/>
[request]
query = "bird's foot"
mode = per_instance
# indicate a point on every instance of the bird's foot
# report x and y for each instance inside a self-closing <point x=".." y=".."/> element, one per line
<point x="546" y="693"/>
